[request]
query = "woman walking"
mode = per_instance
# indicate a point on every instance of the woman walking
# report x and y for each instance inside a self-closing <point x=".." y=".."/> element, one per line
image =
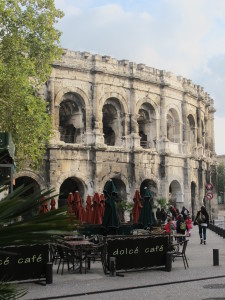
<point x="202" y="220"/>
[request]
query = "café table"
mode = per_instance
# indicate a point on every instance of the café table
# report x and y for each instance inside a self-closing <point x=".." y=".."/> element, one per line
<point x="73" y="237"/>
<point x="80" y="249"/>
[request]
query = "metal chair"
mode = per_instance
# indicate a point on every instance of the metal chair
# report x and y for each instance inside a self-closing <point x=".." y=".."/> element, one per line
<point x="65" y="256"/>
<point x="179" y="250"/>
<point x="94" y="253"/>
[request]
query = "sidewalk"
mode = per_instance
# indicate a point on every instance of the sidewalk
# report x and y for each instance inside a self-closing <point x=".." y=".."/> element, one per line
<point x="197" y="282"/>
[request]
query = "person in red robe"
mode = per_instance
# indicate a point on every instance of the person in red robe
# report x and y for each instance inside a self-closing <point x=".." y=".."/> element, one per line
<point x="88" y="210"/>
<point x="53" y="203"/>
<point x="102" y="203"/>
<point x="44" y="206"/>
<point x="136" y="210"/>
<point x="78" y="207"/>
<point x="97" y="216"/>
<point x="70" y="203"/>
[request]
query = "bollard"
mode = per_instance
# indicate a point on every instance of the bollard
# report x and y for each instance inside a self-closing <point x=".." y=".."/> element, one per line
<point x="168" y="261"/>
<point x="216" y="257"/>
<point x="112" y="266"/>
<point x="49" y="273"/>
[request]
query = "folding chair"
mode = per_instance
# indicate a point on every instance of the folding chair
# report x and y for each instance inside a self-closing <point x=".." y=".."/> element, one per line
<point x="179" y="250"/>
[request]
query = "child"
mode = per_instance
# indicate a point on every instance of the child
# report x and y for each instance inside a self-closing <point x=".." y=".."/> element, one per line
<point x="169" y="227"/>
<point x="189" y="225"/>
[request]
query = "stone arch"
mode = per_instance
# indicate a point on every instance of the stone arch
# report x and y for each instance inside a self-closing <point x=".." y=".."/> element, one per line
<point x="72" y="118"/>
<point x="140" y="102"/>
<point x="113" y="122"/>
<point x="147" y="124"/>
<point x="173" y="126"/>
<point x="112" y="176"/>
<point x="28" y="173"/>
<point x="35" y="189"/>
<point x="71" y="90"/>
<point x="114" y="95"/>
<point x="203" y="130"/>
<point x="176" y="192"/>
<point x="70" y="185"/>
<point x="191" y="129"/>
<point x="152" y="184"/>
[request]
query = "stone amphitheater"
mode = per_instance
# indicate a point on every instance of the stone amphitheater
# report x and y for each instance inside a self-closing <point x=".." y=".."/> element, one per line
<point x="131" y="123"/>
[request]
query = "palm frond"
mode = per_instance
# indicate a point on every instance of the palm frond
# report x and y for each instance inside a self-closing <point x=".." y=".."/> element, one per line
<point x="11" y="291"/>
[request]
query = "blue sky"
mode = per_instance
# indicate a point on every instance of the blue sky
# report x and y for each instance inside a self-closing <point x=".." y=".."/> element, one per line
<point x="186" y="37"/>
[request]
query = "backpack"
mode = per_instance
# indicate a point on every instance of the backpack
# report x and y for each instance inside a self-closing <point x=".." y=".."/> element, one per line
<point x="183" y="226"/>
<point x="201" y="218"/>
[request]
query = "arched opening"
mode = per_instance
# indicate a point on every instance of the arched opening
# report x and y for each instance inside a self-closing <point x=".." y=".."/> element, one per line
<point x="113" y="127"/>
<point x="35" y="188"/>
<point x="173" y="126"/>
<point x="72" y="118"/>
<point x="176" y="193"/>
<point x="121" y="197"/>
<point x="147" y="126"/>
<point x="70" y="185"/>
<point x="191" y="130"/>
<point x="149" y="183"/>
<point x="203" y="133"/>
<point x="193" y="199"/>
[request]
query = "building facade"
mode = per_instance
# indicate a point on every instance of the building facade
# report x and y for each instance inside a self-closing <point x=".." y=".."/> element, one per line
<point x="128" y="122"/>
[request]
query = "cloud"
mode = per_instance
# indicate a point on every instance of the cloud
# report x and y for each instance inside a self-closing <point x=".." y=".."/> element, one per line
<point x="185" y="37"/>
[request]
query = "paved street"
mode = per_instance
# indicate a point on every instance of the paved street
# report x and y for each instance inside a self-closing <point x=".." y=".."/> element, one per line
<point x="201" y="281"/>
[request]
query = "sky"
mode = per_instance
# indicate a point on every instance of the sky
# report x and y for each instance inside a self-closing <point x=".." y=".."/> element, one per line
<point x="185" y="37"/>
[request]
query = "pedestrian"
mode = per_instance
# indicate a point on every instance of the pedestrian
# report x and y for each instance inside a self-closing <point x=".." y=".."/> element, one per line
<point x="184" y="212"/>
<point x="169" y="227"/>
<point x="163" y="215"/>
<point x="189" y="224"/>
<point x="202" y="220"/>
<point x="158" y="216"/>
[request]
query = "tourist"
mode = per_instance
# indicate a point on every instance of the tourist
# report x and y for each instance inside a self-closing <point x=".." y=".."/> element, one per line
<point x="181" y="228"/>
<point x="163" y="215"/>
<point x="169" y="227"/>
<point x="184" y="212"/>
<point x="189" y="224"/>
<point x="202" y="220"/>
<point x="158" y="216"/>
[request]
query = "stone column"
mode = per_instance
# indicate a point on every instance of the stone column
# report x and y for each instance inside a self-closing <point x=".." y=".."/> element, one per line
<point x="184" y="117"/>
<point x="163" y="116"/>
<point x="97" y="122"/>
<point x="56" y="124"/>
<point x="199" y="126"/>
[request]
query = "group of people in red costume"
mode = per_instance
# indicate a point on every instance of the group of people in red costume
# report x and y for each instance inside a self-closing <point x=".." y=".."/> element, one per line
<point x="92" y="213"/>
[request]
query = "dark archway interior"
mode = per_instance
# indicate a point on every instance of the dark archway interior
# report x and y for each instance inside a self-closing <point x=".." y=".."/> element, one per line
<point x="70" y="185"/>
<point x="149" y="184"/>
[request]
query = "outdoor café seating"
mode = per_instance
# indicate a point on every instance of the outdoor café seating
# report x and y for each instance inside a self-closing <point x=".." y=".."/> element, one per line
<point x="65" y="256"/>
<point x="94" y="253"/>
<point x="178" y="250"/>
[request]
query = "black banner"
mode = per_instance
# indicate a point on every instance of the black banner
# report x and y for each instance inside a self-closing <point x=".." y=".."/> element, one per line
<point x="138" y="252"/>
<point x="23" y="262"/>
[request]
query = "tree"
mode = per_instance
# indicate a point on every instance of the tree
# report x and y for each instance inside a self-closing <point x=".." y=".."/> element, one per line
<point x="29" y="44"/>
<point x="221" y="180"/>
